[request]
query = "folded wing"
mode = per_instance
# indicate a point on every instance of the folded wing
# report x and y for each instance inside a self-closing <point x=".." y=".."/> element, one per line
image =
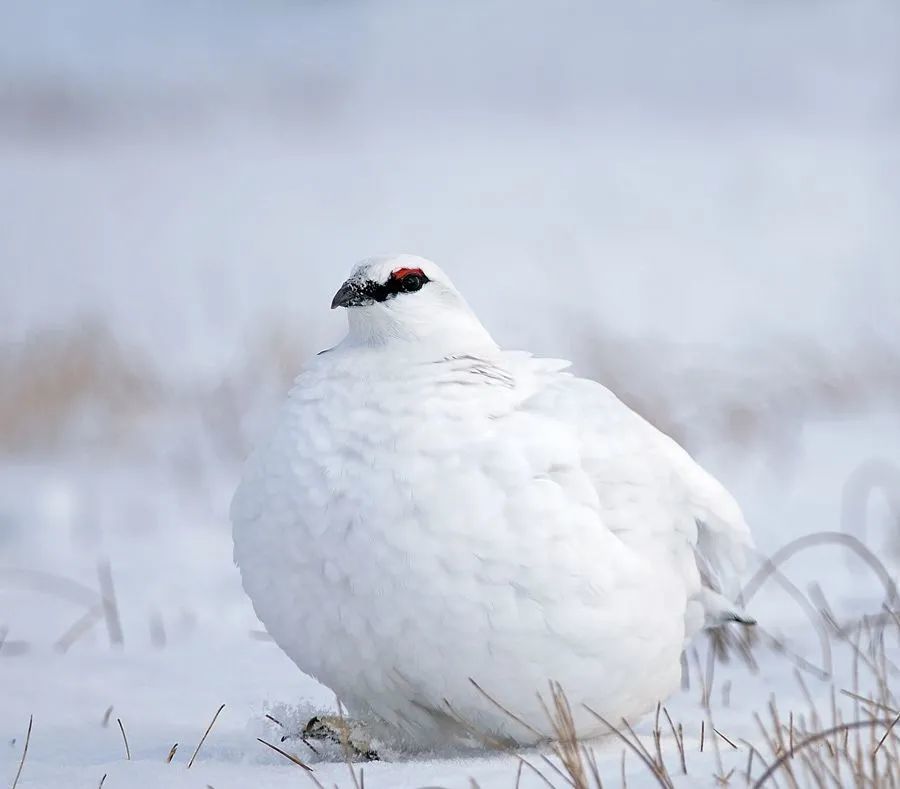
<point x="655" y="497"/>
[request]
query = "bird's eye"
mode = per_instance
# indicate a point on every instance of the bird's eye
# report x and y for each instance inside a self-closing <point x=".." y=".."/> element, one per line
<point x="412" y="282"/>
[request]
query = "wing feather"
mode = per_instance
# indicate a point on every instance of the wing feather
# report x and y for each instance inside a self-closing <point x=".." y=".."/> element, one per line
<point x="652" y="493"/>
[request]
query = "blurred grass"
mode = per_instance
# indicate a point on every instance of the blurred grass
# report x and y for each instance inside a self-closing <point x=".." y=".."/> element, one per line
<point x="77" y="387"/>
<point x="755" y="396"/>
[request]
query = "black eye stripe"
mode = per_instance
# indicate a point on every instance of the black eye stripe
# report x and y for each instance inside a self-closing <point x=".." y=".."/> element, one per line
<point x="406" y="284"/>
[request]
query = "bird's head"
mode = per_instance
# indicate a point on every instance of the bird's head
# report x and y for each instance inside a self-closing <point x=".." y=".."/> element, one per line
<point x="403" y="299"/>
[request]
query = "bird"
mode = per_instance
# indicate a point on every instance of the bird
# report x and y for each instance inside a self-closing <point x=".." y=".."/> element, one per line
<point x="442" y="531"/>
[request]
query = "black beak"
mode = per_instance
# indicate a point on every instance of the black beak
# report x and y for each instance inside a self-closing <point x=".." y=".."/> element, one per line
<point x="351" y="294"/>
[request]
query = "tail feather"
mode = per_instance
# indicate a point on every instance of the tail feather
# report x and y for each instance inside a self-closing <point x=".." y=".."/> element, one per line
<point x="719" y="610"/>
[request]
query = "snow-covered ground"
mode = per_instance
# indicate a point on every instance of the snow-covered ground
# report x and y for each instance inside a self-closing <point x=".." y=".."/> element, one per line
<point x="191" y="642"/>
<point x="698" y="207"/>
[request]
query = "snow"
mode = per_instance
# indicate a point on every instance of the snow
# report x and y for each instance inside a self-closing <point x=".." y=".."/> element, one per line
<point x="698" y="202"/>
<point x="181" y="570"/>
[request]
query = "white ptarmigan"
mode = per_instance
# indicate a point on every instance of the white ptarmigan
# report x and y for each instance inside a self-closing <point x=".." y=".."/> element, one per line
<point x="430" y="509"/>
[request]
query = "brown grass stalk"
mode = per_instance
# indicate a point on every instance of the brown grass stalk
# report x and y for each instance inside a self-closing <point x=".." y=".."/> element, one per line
<point x="205" y="735"/>
<point x="24" y="752"/>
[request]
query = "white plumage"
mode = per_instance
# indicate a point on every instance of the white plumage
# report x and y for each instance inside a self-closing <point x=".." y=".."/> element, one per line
<point x="430" y="508"/>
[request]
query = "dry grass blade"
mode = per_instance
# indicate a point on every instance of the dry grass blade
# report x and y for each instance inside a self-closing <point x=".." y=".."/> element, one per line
<point x="106" y="716"/>
<point x="289" y="756"/>
<point x="749" y="768"/>
<point x="171" y="753"/>
<point x="778" y="646"/>
<point x="345" y="744"/>
<point x="48" y="583"/>
<point x="573" y="782"/>
<point x="791" y="733"/>
<point x="678" y="734"/>
<point x="639" y="744"/>
<point x="814" y="712"/>
<point x="717" y="754"/>
<point x="846" y="728"/>
<point x="895" y="617"/>
<point x="519" y="775"/>
<point x="780" y="748"/>
<point x="102" y="781"/>
<point x="506" y="711"/>
<point x="769" y="570"/>
<point x="306" y="742"/>
<point x="705" y="689"/>
<point x="885" y="735"/>
<point x="24" y="752"/>
<point x="125" y="739"/>
<point x="657" y="735"/>
<point x="821" y="538"/>
<point x="871" y="475"/>
<point x="817" y="596"/>
<point x="754" y="754"/>
<point x="79" y="628"/>
<point x="205" y="735"/>
<point x="348" y="748"/>
<point x="723" y="779"/>
<point x="725" y="738"/>
<point x="488" y="742"/>
<point x="726" y="693"/>
<point x="661" y="779"/>
<point x="591" y="761"/>
<point x="284" y="737"/>
<point x="538" y="773"/>
<point x="566" y="746"/>
<point x="865" y="700"/>
<point x="110" y="605"/>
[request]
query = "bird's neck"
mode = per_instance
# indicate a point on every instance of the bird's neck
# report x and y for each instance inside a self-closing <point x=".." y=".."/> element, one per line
<point x="453" y="335"/>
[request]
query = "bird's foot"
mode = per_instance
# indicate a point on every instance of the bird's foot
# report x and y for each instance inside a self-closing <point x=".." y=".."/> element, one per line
<point x="347" y="734"/>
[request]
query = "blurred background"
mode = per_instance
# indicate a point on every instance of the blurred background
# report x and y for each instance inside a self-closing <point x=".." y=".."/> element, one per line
<point x="698" y="203"/>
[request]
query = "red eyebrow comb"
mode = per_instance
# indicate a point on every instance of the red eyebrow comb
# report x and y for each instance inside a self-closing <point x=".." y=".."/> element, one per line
<point x="400" y="273"/>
